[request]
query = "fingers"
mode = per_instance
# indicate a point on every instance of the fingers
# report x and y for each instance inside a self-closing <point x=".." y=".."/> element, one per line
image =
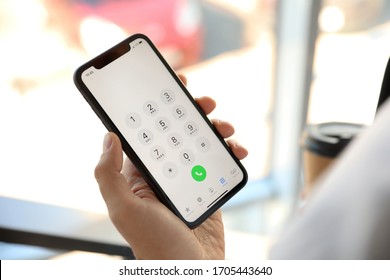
<point x="239" y="151"/>
<point x="224" y="128"/>
<point x="183" y="78"/>
<point x="206" y="103"/>
<point x="129" y="170"/>
<point x="108" y="171"/>
<point x="227" y="130"/>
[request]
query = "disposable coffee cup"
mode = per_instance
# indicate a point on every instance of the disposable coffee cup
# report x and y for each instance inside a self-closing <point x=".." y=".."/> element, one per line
<point x="322" y="144"/>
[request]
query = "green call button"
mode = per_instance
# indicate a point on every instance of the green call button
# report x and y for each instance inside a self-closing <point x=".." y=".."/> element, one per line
<point x="198" y="173"/>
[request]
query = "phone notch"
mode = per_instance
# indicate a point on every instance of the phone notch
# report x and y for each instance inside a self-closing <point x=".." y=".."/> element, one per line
<point x="111" y="55"/>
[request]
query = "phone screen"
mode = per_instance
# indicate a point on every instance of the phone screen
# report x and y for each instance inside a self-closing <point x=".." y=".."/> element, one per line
<point x="153" y="112"/>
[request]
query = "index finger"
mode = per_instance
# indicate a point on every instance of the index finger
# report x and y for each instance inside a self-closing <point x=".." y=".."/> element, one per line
<point x="206" y="103"/>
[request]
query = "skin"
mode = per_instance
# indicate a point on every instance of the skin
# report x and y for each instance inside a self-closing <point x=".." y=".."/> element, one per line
<point x="150" y="228"/>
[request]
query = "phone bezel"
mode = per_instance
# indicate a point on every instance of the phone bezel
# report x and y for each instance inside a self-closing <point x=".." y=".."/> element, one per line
<point x="106" y="58"/>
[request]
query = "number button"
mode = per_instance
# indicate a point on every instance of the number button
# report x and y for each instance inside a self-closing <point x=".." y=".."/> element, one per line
<point x="145" y="136"/>
<point x="133" y="120"/>
<point x="163" y="124"/>
<point x="151" y="108"/>
<point x="175" y="140"/>
<point x="187" y="157"/>
<point x="179" y="112"/>
<point x="167" y="96"/>
<point x="170" y="170"/>
<point x="191" y="128"/>
<point x="157" y="153"/>
<point x="203" y="144"/>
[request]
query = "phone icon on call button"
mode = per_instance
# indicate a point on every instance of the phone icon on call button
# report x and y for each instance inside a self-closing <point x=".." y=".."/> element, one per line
<point x="198" y="173"/>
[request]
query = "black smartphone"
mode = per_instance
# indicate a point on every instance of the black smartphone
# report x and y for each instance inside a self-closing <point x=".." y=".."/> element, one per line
<point x="137" y="95"/>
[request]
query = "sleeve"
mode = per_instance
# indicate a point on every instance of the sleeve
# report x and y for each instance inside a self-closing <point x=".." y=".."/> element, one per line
<point x="348" y="216"/>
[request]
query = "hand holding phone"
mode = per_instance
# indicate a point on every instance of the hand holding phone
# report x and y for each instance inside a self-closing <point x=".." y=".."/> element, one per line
<point x="162" y="130"/>
<point x="152" y="230"/>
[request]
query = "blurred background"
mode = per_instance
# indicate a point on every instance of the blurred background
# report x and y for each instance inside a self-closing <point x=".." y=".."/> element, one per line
<point x="273" y="66"/>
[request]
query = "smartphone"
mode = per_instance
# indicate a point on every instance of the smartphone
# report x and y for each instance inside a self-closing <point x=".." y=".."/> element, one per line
<point x="138" y="96"/>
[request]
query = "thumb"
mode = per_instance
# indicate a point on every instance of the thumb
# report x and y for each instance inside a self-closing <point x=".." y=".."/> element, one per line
<point x="108" y="174"/>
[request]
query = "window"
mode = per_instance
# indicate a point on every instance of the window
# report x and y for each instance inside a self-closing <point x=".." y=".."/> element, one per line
<point x="234" y="51"/>
<point x="351" y="56"/>
<point x="225" y="48"/>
